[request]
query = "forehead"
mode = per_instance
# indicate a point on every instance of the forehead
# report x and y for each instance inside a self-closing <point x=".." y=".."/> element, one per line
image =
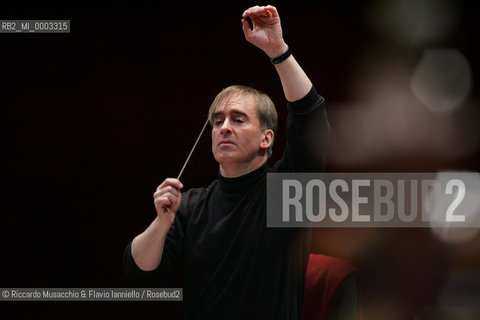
<point x="237" y="102"/>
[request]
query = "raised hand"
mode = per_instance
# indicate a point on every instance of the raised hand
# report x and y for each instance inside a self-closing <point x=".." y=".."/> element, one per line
<point x="167" y="199"/>
<point x="267" y="30"/>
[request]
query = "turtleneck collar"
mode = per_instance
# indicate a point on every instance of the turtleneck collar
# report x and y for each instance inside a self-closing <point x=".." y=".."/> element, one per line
<point x="242" y="183"/>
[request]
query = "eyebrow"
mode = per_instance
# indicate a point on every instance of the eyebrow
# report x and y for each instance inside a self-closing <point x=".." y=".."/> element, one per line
<point x="232" y="111"/>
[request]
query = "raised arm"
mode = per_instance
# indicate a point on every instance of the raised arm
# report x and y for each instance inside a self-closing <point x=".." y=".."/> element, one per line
<point x="267" y="35"/>
<point x="307" y="125"/>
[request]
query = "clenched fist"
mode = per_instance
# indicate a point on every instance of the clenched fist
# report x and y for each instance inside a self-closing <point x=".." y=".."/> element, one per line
<point x="167" y="199"/>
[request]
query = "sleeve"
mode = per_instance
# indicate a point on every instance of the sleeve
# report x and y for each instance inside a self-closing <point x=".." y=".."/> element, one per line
<point x="308" y="132"/>
<point x="171" y="258"/>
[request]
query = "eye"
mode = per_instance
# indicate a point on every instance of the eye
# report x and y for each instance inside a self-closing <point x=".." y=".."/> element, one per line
<point x="238" y="120"/>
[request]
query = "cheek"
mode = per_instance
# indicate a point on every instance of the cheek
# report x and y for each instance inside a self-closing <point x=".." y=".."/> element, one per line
<point x="253" y="139"/>
<point x="212" y="136"/>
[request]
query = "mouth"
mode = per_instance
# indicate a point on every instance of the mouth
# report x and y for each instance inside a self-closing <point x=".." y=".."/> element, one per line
<point x="226" y="142"/>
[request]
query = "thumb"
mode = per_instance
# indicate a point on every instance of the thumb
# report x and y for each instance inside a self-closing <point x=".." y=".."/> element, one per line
<point x="179" y="200"/>
<point x="246" y="29"/>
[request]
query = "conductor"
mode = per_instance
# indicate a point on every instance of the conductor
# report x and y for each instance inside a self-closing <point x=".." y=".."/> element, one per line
<point x="234" y="266"/>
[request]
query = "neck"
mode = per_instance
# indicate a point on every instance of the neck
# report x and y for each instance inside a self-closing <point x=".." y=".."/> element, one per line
<point x="233" y="170"/>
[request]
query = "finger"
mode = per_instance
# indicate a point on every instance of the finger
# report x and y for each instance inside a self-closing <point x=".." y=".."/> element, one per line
<point x="272" y="10"/>
<point x="174" y="182"/>
<point x="166" y="190"/>
<point x="251" y="10"/>
<point x="249" y="21"/>
<point x="166" y="202"/>
<point x="162" y="203"/>
<point x="177" y="204"/>
<point x="171" y="196"/>
<point x="172" y="199"/>
<point x="267" y="11"/>
<point x="171" y="182"/>
<point x="247" y="31"/>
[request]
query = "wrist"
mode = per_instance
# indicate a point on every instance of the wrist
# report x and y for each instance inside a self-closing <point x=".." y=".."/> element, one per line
<point x="160" y="226"/>
<point x="282" y="57"/>
<point x="277" y="51"/>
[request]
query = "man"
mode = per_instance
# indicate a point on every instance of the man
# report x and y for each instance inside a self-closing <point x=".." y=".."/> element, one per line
<point x="234" y="266"/>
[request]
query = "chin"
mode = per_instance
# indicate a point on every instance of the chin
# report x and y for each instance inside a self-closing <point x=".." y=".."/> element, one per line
<point x="224" y="157"/>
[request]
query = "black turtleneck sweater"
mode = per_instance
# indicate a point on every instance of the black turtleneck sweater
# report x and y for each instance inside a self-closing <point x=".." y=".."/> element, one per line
<point x="234" y="266"/>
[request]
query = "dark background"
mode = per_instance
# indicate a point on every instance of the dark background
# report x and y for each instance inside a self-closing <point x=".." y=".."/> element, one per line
<point x="94" y="120"/>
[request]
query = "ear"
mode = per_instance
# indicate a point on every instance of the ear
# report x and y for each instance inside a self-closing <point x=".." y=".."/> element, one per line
<point x="267" y="138"/>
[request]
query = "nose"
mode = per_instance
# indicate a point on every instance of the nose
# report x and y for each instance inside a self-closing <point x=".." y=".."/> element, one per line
<point x="226" y="127"/>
